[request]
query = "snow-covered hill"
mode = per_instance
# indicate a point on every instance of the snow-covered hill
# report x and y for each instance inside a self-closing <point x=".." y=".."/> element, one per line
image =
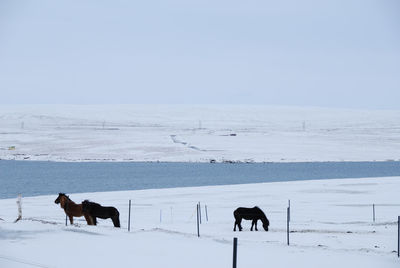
<point x="197" y="133"/>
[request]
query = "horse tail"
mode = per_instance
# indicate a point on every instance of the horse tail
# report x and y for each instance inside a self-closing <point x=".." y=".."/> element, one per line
<point x="236" y="213"/>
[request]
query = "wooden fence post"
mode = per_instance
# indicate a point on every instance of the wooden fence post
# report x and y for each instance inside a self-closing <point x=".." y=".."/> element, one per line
<point x="198" y="229"/>
<point x="129" y="217"/>
<point x="66" y="217"/>
<point x="19" y="204"/>
<point x="200" y="212"/>
<point x="373" y="212"/>
<point x="234" y="252"/>
<point x="287" y="224"/>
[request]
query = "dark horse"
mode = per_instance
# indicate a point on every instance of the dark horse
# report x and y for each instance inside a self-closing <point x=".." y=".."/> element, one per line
<point x="253" y="214"/>
<point x="72" y="209"/>
<point x="97" y="211"/>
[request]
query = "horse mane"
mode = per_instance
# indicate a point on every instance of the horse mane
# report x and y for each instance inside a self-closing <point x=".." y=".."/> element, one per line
<point x="67" y="197"/>
<point x="91" y="203"/>
<point x="88" y="202"/>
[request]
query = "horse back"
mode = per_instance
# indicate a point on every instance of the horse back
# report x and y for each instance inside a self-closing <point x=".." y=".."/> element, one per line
<point x="105" y="212"/>
<point x="248" y="213"/>
<point x="73" y="209"/>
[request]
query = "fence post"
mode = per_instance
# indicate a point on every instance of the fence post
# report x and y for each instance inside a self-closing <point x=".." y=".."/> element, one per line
<point x="19" y="204"/>
<point x="287" y="225"/>
<point x="206" y="212"/>
<point x="234" y="252"/>
<point x="66" y="206"/>
<point x="198" y="230"/>
<point x="129" y="217"/>
<point x="200" y="212"/>
<point x="373" y="212"/>
<point x="289" y="210"/>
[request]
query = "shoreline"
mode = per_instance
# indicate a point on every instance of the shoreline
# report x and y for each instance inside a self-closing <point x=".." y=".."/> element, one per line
<point x="200" y="162"/>
<point x="212" y="187"/>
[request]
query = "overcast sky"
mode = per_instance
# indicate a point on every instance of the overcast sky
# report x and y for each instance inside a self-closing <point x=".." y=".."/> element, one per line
<point x="319" y="53"/>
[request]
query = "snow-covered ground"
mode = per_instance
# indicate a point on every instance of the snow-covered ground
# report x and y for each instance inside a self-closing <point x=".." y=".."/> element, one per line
<point x="331" y="223"/>
<point x="197" y="133"/>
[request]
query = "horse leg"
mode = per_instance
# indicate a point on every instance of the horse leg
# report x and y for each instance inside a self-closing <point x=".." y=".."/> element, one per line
<point x="88" y="219"/>
<point x="252" y="224"/>
<point x="255" y="225"/>
<point x="236" y="223"/>
<point x="71" y="219"/>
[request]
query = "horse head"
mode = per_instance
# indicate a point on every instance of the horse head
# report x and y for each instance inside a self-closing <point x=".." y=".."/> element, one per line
<point x="85" y="206"/>
<point x="63" y="200"/>
<point x="58" y="200"/>
<point x="265" y="224"/>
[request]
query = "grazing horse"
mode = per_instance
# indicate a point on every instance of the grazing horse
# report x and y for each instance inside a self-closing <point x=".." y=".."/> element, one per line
<point x="71" y="209"/>
<point x="253" y="214"/>
<point x="98" y="211"/>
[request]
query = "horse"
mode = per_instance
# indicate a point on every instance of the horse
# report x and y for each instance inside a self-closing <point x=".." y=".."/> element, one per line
<point x="98" y="211"/>
<point x="72" y="209"/>
<point x="253" y="214"/>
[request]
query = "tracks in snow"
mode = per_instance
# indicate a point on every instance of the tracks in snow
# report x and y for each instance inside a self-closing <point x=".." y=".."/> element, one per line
<point x="176" y="140"/>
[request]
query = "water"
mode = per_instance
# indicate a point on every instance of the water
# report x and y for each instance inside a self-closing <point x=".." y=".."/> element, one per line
<point x="43" y="178"/>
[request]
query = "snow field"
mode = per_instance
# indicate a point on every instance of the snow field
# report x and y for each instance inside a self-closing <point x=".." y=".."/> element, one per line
<point x="197" y="133"/>
<point x="331" y="224"/>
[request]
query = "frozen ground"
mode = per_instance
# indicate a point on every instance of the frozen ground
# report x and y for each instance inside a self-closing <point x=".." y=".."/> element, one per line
<point x="197" y="133"/>
<point x="331" y="225"/>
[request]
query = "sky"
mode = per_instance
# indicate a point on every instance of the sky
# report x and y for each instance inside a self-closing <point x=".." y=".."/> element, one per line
<point x="334" y="53"/>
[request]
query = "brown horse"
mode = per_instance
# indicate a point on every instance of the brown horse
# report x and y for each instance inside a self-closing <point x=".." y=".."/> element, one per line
<point x="72" y="209"/>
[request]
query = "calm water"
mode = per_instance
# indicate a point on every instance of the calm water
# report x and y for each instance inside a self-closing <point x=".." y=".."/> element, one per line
<point x="42" y="178"/>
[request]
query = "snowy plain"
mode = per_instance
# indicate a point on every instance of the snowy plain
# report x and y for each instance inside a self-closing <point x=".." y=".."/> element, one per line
<point x="197" y="133"/>
<point x="331" y="226"/>
<point x="331" y="220"/>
